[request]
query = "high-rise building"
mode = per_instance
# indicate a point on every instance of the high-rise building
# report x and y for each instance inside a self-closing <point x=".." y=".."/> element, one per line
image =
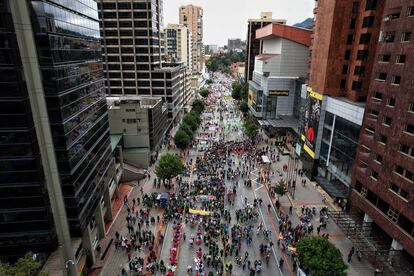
<point x="254" y="46"/>
<point x="192" y="17"/>
<point x="134" y="54"/>
<point x="233" y="44"/>
<point x="178" y="44"/>
<point x="383" y="190"/>
<point x="55" y="148"/>
<point x="345" y="36"/>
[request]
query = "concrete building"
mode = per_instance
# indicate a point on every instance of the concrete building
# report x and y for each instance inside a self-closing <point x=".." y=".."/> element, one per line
<point x="55" y="153"/>
<point x="233" y="44"/>
<point x="345" y="36"/>
<point x="211" y="48"/>
<point x="142" y="123"/>
<point x="134" y="54"/>
<point x="382" y="183"/>
<point x="192" y="17"/>
<point x="179" y="44"/>
<point x="280" y="70"/>
<point x="254" y="46"/>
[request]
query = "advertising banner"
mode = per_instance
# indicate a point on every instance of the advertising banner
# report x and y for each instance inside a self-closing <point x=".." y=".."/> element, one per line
<point x="250" y="99"/>
<point x="312" y="118"/>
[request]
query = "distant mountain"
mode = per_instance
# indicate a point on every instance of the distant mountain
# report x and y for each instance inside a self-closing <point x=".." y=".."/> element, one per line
<point x="307" y="24"/>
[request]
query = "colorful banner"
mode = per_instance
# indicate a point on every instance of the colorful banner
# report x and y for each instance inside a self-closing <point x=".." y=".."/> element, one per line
<point x="199" y="212"/>
<point x="312" y="118"/>
<point x="205" y="197"/>
<point x="250" y="98"/>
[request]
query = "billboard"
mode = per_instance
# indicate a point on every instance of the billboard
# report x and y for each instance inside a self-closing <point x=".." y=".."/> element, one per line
<point x="311" y="120"/>
<point x="278" y="92"/>
<point x="250" y="98"/>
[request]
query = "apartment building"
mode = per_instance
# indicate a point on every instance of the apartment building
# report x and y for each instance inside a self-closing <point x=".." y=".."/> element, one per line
<point x="178" y="44"/>
<point x="254" y="46"/>
<point x="192" y="17"/>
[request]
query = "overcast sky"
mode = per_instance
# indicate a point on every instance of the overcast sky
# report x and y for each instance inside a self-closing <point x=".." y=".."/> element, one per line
<point x="225" y="19"/>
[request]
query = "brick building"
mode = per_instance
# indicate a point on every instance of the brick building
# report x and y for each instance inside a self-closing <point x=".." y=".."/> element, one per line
<point x="383" y="190"/>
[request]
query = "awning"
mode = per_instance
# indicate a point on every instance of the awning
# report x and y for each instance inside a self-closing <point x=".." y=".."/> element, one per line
<point x="265" y="159"/>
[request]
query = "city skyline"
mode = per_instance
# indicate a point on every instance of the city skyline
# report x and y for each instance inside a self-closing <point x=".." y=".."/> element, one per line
<point x="236" y="28"/>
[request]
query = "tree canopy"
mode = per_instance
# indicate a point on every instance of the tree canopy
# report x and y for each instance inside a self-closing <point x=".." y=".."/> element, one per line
<point x="320" y="257"/>
<point x="186" y="128"/>
<point x="250" y="128"/>
<point x="281" y="188"/>
<point x="182" y="139"/>
<point x="244" y="107"/>
<point x="223" y="61"/>
<point x="25" y="266"/>
<point x="169" y="166"/>
<point x="198" y="106"/>
<point x="204" y="92"/>
<point x="191" y="121"/>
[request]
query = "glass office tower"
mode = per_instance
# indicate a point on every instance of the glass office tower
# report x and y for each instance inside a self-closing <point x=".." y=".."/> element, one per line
<point x="66" y="34"/>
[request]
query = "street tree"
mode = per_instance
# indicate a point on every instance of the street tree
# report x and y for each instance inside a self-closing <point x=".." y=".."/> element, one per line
<point x="181" y="139"/>
<point x="198" y="106"/>
<point x="250" y="128"/>
<point x="236" y="90"/>
<point x="25" y="266"/>
<point x="281" y="188"/>
<point x="191" y="120"/>
<point x="186" y="128"/>
<point x="204" y="92"/>
<point x="244" y="107"/>
<point x="320" y="257"/>
<point x="169" y="166"/>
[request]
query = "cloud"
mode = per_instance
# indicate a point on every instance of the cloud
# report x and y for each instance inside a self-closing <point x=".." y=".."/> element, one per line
<point x="225" y="19"/>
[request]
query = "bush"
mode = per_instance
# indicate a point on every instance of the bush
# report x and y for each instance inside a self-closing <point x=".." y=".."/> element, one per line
<point x="250" y="128"/>
<point x="244" y="107"/>
<point x="320" y="257"/>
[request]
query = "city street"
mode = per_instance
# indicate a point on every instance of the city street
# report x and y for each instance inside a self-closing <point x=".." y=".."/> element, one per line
<point x="236" y="230"/>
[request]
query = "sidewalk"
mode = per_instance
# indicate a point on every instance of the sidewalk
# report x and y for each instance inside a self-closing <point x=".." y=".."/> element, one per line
<point x="312" y="196"/>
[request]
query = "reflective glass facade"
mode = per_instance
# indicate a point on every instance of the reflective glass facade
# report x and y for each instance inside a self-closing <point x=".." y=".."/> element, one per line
<point x="25" y="218"/>
<point x="69" y="51"/>
<point x="67" y="40"/>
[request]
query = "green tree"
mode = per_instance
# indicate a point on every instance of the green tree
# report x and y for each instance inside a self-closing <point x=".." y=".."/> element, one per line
<point x="250" y="128"/>
<point x="187" y="129"/>
<point x="198" y="106"/>
<point x="203" y="92"/>
<point x="281" y="188"/>
<point x="320" y="257"/>
<point x="191" y="121"/>
<point x="182" y="139"/>
<point x="169" y="166"/>
<point x="244" y="107"/>
<point x="209" y="81"/>
<point x="25" y="266"/>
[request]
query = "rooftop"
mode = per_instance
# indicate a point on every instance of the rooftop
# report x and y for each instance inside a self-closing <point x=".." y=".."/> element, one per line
<point x="295" y="34"/>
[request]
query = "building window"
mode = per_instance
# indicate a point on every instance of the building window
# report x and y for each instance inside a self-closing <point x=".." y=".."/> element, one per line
<point x="355" y="6"/>
<point x="352" y="24"/>
<point x="378" y="158"/>
<point x="359" y="70"/>
<point x="409" y="128"/>
<point x="411" y="107"/>
<point x="406" y="150"/>
<point x="374" y="113"/>
<point x="377" y="95"/>
<point x="410" y="11"/>
<point x="385" y="58"/>
<point x="349" y="39"/>
<point x="365" y="38"/>
<point x="356" y="85"/>
<point x="374" y="175"/>
<point x="399" y="191"/>
<point x="362" y="54"/>
<point x="345" y="69"/>
<point x="371" y="5"/>
<point x="131" y="121"/>
<point x="396" y="80"/>
<point x="364" y="191"/>
<point x="368" y="21"/>
<point x="387" y="121"/>
<point x="404" y="173"/>
<point x="391" y="102"/>
<point x="405" y="36"/>
<point x="381" y="76"/>
<point x="383" y="139"/>
<point x="400" y="59"/>
<point x="343" y="83"/>
<point x="392" y="16"/>
<point x="347" y="54"/>
<point x="393" y="214"/>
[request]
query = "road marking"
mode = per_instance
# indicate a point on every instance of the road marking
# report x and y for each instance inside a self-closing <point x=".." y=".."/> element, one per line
<point x="259" y="187"/>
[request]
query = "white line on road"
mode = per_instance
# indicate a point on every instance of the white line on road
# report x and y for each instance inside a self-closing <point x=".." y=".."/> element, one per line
<point x="259" y="187"/>
<point x="273" y="250"/>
